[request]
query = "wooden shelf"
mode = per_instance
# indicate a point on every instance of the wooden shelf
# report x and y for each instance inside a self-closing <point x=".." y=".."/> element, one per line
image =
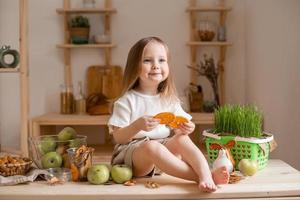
<point x="74" y="119"/>
<point x="85" y="10"/>
<point x="70" y="46"/>
<point x="193" y="8"/>
<point x="9" y="70"/>
<point x="200" y="43"/>
<point x="22" y="70"/>
<point x="94" y="120"/>
<point x="66" y="12"/>
<point x="208" y="9"/>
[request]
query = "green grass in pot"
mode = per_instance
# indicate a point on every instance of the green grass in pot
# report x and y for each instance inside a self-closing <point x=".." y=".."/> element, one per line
<point x="243" y="121"/>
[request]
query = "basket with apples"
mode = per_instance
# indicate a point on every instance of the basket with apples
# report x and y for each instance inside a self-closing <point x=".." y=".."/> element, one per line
<point x="50" y="151"/>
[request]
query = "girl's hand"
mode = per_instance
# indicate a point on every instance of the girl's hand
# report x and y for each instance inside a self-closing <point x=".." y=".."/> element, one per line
<point x="185" y="128"/>
<point x="147" y="123"/>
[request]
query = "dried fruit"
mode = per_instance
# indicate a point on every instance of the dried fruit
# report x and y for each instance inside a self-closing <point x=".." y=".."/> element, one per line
<point x="177" y="121"/>
<point x="74" y="172"/>
<point x="165" y="117"/>
<point x="170" y="119"/>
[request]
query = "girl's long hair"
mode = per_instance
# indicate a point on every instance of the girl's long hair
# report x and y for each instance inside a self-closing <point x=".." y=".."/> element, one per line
<point x="166" y="89"/>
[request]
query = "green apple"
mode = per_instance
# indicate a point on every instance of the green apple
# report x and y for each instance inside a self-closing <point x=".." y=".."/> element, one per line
<point x="75" y="143"/>
<point x="248" y="167"/>
<point x="40" y="149"/>
<point x="51" y="160"/>
<point x="121" y="173"/>
<point x="47" y="144"/>
<point x="68" y="133"/>
<point x="98" y="174"/>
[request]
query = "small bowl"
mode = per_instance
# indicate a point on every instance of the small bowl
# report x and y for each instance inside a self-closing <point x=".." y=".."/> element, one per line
<point x="62" y="174"/>
<point x="102" y="39"/>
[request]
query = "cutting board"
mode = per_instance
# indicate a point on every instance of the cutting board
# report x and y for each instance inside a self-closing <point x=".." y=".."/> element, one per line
<point x="106" y="80"/>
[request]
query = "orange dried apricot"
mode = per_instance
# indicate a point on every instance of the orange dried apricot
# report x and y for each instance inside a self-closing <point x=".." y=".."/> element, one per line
<point x="177" y="121"/>
<point x="165" y="117"/>
<point x="74" y="172"/>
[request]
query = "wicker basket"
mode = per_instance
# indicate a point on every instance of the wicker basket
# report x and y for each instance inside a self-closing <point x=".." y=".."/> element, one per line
<point x="18" y="166"/>
<point x="249" y="148"/>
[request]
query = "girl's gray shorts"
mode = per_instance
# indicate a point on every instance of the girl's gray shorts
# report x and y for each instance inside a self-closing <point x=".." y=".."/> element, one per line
<point x="122" y="153"/>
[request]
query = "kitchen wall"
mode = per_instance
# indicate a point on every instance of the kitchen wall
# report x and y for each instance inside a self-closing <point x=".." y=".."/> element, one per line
<point x="257" y="56"/>
<point x="272" y="30"/>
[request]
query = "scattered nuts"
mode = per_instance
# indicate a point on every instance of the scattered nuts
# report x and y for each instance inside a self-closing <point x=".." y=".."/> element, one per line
<point x="54" y="181"/>
<point x="130" y="183"/>
<point x="10" y="165"/>
<point x="234" y="178"/>
<point x="152" y="185"/>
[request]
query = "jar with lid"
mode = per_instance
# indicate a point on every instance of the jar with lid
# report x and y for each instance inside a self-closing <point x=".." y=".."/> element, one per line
<point x="66" y="99"/>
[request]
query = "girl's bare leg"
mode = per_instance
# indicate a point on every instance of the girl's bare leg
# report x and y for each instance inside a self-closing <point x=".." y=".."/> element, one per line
<point x="153" y="153"/>
<point x="182" y="145"/>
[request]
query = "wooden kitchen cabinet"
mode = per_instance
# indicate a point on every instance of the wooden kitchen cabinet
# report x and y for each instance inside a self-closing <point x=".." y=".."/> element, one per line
<point x="48" y="121"/>
<point x="66" y="11"/>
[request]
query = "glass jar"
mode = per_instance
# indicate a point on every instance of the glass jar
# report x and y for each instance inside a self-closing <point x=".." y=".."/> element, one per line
<point x="80" y="101"/>
<point x="88" y="3"/>
<point x="66" y="99"/>
<point x="221" y="34"/>
<point x="206" y="30"/>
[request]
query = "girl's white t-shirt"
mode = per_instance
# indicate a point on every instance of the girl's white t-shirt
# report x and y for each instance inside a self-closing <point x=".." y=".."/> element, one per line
<point x="133" y="105"/>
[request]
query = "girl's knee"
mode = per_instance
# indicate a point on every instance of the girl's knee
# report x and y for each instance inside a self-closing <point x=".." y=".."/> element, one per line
<point x="151" y="147"/>
<point x="181" y="139"/>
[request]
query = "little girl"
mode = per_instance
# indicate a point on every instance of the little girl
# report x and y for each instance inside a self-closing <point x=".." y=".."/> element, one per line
<point x="142" y="142"/>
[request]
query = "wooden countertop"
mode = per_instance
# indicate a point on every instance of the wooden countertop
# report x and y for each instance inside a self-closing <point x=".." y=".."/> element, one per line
<point x="277" y="181"/>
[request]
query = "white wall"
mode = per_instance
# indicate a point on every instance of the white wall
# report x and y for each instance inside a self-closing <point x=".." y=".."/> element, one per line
<point x="273" y="68"/>
<point x="167" y="19"/>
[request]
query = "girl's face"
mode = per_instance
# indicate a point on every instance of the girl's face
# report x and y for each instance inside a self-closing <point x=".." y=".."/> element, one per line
<point x="154" y="64"/>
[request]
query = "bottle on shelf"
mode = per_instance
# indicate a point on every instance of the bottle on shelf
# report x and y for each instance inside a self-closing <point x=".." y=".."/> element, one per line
<point x="195" y="97"/>
<point x="66" y="99"/>
<point x="80" y="101"/>
<point x="221" y="33"/>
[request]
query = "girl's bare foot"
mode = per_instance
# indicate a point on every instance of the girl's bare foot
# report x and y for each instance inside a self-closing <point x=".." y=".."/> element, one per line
<point x="220" y="175"/>
<point x="207" y="186"/>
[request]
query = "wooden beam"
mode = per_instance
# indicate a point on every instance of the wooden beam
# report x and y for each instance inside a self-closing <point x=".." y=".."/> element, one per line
<point x="24" y="91"/>
<point x="67" y="56"/>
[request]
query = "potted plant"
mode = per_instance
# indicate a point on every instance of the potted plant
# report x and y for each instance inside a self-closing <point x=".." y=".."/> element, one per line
<point x="243" y="124"/>
<point x="79" y="30"/>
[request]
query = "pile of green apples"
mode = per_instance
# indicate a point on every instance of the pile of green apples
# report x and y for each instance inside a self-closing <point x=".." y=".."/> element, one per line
<point x="100" y="174"/>
<point x="53" y="149"/>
